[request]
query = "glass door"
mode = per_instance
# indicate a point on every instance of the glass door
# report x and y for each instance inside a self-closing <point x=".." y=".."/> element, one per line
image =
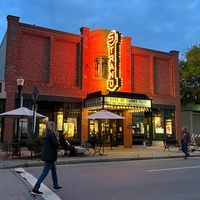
<point x="119" y="132"/>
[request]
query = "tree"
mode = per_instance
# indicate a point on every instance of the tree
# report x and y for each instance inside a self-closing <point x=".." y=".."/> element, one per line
<point x="190" y="76"/>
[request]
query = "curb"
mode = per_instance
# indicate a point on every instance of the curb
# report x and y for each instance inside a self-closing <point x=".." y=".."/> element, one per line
<point x="35" y="163"/>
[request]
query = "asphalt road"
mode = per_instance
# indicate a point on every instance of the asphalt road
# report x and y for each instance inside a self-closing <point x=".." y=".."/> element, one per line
<point x="157" y="179"/>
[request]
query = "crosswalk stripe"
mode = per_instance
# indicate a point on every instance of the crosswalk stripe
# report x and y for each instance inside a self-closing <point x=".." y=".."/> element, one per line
<point x="47" y="193"/>
<point x="170" y="169"/>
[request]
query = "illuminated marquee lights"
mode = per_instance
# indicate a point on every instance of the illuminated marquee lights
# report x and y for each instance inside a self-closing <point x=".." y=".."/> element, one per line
<point x="114" y="60"/>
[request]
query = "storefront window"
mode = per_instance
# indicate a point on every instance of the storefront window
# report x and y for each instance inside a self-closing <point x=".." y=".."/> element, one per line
<point x="138" y="123"/>
<point x="93" y="126"/>
<point x="23" y="129"/>
<point x="70" y="127"/>
<point x="163" y="124"/>
<point x="71" y="119"/>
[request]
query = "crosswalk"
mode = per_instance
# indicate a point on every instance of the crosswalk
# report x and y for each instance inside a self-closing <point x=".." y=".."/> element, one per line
<point x="47" y="193"/>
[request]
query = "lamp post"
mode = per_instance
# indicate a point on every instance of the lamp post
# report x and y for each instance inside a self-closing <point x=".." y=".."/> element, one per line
<point x="20" y="83"/>
<point x="35" y="96"/>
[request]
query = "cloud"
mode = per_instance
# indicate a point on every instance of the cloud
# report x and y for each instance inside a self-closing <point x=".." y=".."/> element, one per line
<point x="161" y="25"/>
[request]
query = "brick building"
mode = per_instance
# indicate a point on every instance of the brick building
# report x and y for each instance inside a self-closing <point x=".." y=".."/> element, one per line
<point x="80" y="74"/>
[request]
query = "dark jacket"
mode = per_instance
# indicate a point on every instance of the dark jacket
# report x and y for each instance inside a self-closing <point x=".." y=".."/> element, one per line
<point x="93" y="139"/>
<point x="63" y="143"/>
<point x="50" y="147"/>
<point x="185" y="138"/>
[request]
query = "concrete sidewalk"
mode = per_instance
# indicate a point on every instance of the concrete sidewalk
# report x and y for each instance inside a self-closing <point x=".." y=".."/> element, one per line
<point x="110" y="154"/>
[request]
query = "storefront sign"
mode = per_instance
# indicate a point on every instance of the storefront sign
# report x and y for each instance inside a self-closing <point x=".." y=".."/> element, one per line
<point x="127" y="102"/>
<point x="93" y="102"/>
<point x="114" y="61"/>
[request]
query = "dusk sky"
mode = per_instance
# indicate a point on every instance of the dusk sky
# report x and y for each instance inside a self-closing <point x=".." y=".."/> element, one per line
<point x="162" y="25"/>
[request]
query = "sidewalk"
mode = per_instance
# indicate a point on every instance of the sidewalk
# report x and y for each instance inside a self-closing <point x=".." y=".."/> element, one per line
<point x="115" y="154"/>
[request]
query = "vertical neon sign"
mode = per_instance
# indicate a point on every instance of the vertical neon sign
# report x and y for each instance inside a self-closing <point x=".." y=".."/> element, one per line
<point x="114" y="60"/>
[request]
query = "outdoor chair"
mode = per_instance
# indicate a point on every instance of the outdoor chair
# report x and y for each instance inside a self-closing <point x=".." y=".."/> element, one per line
<point x="11" y="149"/>
<point x="93" y="148"/>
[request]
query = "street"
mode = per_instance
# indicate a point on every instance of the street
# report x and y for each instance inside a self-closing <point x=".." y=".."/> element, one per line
<point x="139" y="180"/>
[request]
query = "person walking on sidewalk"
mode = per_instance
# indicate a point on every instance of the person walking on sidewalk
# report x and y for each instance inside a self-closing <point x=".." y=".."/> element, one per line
<point x="185" y="141"/>
<point x="49" y="155"/>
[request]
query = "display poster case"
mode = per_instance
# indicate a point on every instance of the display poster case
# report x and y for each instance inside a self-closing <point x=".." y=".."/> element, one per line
<point x="59" y="126"/>
<point x="168" y="126"/>
<point x="42" y="126"/>
<point x="158" y="124"/>
<point x="70" y="127"/>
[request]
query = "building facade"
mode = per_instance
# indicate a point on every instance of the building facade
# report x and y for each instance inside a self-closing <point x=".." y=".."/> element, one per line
<point x="80" y="74"/>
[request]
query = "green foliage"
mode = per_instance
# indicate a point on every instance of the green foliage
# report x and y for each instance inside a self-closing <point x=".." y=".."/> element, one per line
<point x="36" y="145"/>
<point x="190" y="76"/>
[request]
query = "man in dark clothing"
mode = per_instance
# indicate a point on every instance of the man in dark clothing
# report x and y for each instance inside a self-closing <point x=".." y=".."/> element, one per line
<point x="49" y="155"/>
<point x="185" y="141"/>
<point x="91" y="142"/>
<point x="93" y="139"/>
<point x="66" y="145"/>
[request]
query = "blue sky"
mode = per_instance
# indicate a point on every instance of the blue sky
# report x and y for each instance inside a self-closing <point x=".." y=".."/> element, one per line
<point x="162" y="25"/>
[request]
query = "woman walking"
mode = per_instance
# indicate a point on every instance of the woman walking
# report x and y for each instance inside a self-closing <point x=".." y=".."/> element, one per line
<point x="49" y="155"/>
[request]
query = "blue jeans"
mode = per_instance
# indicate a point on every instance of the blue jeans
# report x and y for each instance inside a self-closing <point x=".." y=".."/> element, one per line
<point x="47" y="166"/>
<point x="185" y="149"/>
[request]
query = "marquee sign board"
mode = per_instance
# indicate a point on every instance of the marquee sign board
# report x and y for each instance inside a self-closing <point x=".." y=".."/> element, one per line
<point x="117" y="101"/>
<point x="127" y="102"/>
<point x="114" y="60"/>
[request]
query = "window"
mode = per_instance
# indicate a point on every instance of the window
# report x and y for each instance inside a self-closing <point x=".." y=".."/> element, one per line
<point x="101" y="67"/>
<point x="138" y="123"/>
<point x="104" y="68"/>
<point x="163" y="123"/>
<point x="71" y="120"/>
<point x="96" y="68"/>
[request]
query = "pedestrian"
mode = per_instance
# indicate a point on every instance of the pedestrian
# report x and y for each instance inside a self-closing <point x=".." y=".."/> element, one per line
<point x="91" y="142"/>
<point x="65" y="145"/>
<point x="49" y="155"/>
<point x="185" y="141"/>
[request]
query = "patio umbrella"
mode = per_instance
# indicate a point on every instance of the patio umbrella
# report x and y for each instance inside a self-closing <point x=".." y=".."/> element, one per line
<point x="104" y="114"/>
<point x="21" y="113"/>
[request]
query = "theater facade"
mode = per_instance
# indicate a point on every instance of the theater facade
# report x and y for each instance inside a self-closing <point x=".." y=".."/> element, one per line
<point x="79" y="74"/>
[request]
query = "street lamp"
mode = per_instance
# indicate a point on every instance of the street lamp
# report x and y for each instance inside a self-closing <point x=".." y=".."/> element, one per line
<point x="20" y="83"/>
